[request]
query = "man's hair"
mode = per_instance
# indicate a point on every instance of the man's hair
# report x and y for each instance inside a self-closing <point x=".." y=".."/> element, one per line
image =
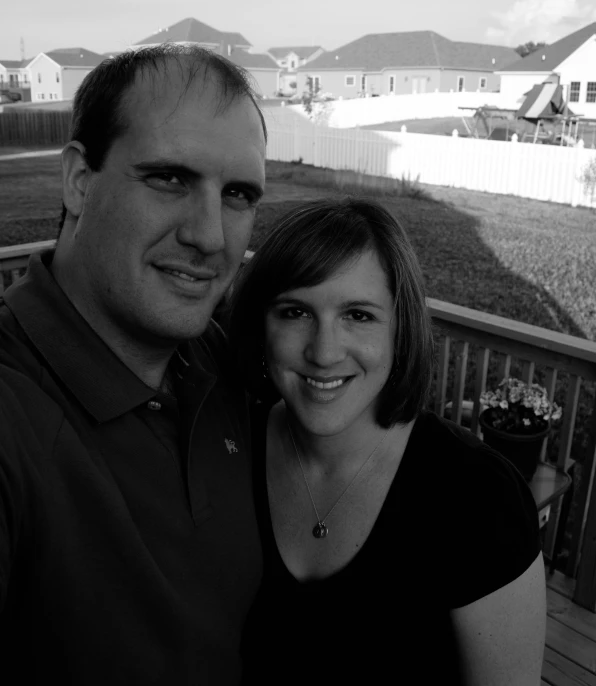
<point x="99" y="116"/>
<point x="308" y="246"/>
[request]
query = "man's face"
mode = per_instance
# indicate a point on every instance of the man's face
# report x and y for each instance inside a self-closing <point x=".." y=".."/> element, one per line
<point x="166" y="221"/>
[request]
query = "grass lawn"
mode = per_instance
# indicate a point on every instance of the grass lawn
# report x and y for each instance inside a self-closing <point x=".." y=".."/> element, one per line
<point x="444" y="126"/>
<point x="522" y="259"/>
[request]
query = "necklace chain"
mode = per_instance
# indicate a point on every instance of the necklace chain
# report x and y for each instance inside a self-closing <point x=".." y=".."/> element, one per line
<point x="320" y="530"/>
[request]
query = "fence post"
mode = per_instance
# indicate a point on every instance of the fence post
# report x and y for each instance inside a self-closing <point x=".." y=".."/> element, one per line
<point x="578" y="183"/>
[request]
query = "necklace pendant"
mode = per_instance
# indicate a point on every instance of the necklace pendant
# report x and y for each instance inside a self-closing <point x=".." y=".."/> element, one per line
<point x="320" y="530"/>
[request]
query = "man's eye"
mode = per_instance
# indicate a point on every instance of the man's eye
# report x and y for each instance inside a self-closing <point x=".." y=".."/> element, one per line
<point x="164" y="180"/>
<point x="240" y="198"/>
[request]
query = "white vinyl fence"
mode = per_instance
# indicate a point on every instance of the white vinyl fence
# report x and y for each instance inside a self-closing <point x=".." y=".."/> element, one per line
<point x="543" y="172"/>
<point x="367" y="111"/>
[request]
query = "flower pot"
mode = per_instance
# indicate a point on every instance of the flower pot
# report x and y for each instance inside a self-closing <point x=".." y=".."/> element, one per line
<point x="523" y="451"/>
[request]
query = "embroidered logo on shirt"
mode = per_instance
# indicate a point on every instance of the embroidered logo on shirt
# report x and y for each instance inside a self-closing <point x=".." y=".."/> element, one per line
<point x="231" y="446"/>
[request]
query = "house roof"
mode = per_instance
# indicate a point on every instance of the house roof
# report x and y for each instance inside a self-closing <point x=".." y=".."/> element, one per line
<point x="250" y="61"/>
<point x="193" y="31"/>
<point x="302" y="51"/>
<point x="13" y="64"/>
<point x="378" y="51"/>
<point x="75" y="57"/>
<point x="553" y="54"/>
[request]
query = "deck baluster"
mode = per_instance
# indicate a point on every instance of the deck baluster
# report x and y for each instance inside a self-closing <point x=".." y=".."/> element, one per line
<point x="442" y="371"/>
<point x="461" y="364"/>
<point x="482" y="360"/>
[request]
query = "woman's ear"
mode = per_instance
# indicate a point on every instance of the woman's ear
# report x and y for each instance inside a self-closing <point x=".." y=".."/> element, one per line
<point x="75" y="176"/>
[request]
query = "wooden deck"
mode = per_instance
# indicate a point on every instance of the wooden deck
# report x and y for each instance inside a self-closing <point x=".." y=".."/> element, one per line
<point x="570" y="653"/>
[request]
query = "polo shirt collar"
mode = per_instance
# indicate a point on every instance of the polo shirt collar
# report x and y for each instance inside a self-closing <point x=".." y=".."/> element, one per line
<point x="100" y="381"/>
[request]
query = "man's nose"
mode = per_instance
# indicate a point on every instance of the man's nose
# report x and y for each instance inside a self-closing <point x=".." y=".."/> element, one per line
<point x="202" y="227"/>
<point x="326" y="346"/>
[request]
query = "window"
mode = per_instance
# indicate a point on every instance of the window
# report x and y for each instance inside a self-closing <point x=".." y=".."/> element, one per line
<point x="38" y="78"/>
<point x="11" y="79"/>
<point x="350" y="80"/>
<point x="461" y="84"/>
<point x="392" y="84"/>
<point x="574" y="90"/>
<point x="482" y="82"/>
<point x="316" y="83"/>
<point x="57" y="77"/>
<point x="42" y="96"/>
<point x="292" y="64"/>
<point x="591" y="92"/>
<point x="363" y="84"/>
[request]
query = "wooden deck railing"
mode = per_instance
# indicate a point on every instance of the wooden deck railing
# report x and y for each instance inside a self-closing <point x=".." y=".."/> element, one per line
<point x="474" y="345"/>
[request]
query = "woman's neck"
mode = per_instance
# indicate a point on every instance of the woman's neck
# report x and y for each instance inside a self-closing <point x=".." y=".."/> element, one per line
<point x="344" y="451"/>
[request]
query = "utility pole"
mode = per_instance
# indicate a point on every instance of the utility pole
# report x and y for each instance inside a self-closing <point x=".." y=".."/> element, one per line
<point x="22" y="48"/>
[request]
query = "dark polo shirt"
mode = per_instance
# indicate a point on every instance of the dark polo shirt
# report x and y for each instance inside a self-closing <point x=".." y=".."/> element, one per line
<point x="129" y="551"/>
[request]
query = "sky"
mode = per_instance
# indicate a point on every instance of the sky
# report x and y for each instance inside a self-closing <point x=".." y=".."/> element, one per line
<point x="111" y="25"/>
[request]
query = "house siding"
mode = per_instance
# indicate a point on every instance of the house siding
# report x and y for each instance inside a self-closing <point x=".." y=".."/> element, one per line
<point x="71" y="80"/>
<point x="406" y="81"/>
<point x="45" y="68"/>
<point x="580" y="66"/>
<point x="266" y="82"/>
<point x="449" y="80"/>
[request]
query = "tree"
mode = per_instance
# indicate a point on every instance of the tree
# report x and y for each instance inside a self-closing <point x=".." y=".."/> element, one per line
<point x="528" y="48"/>
<point x="312" y="88"/>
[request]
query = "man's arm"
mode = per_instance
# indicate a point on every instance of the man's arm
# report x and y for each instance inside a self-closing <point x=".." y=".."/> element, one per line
<point x="501" y="636"/>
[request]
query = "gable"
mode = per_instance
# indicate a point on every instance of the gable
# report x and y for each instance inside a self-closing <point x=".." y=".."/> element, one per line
<point x="193" y="31"/>
<point x="550" y="57"/>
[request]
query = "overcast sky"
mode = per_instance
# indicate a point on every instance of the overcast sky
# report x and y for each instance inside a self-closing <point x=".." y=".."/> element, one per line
<point x="111" y="25"/>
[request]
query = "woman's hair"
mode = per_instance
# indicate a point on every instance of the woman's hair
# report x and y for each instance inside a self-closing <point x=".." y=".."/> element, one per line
<point x="309" y="245"/>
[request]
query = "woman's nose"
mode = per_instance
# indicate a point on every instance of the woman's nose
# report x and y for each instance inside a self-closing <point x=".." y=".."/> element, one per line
<point x="326" y="346"/>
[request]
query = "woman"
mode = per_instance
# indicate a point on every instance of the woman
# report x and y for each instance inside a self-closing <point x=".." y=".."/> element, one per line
<point x="398" y="547"/>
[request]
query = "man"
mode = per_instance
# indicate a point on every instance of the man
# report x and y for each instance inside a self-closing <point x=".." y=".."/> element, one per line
<point x="129" y="551"/>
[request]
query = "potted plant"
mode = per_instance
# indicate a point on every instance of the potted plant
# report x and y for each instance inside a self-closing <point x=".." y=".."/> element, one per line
<point x="516" y="420"/>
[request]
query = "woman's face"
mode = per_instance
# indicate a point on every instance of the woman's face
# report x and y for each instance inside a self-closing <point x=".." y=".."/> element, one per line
<point x="329" y="348"/>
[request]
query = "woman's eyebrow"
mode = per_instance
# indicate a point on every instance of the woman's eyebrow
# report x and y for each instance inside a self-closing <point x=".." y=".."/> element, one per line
<point x="361" y="303"/>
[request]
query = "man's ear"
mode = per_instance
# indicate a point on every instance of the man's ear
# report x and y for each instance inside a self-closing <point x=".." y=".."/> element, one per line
<point x="75" y="176"/>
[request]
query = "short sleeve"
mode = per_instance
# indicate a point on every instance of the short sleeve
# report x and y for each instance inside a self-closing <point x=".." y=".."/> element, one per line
<point x="494" y="526"/>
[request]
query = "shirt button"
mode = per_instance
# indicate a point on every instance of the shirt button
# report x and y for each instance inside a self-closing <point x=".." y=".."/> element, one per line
<point x="154" y="405"/>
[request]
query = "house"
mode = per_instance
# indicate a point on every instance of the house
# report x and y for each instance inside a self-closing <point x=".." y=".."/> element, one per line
<point x="289" y="59"/>
<point x="57" y="74"/>
<point x="263" y="69"/>
<point x="193" y="31"/>
<point x="14" y="77"/>
<point x="571" y="62"/>
<point x="411" y="62"/>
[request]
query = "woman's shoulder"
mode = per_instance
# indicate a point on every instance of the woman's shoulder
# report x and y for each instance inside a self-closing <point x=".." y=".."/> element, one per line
<point x="455" y="450"/>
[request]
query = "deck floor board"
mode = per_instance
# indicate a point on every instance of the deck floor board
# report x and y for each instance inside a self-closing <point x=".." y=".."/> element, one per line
<point x="570" y="653"/>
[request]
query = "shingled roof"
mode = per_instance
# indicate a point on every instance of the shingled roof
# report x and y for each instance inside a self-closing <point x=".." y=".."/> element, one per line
<point x="302" y="51"/>
<point x="250" y="61"/>
<point x="553" y="54"/>
<point x="13" y="64"/>
<point x="427" y="49"/>
<point x="75" y="57"/>
<point x="193" y="31"/>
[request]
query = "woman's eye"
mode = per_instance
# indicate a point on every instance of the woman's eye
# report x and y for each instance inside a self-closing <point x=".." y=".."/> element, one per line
<point x="359" y="316"/>
<point x="292" y="313"/>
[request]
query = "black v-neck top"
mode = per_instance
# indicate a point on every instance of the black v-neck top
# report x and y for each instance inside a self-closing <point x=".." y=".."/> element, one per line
<point x="458" y="523"/>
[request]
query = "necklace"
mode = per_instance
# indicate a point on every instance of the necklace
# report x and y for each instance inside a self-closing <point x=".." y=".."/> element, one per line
<point x="320" y="530"/>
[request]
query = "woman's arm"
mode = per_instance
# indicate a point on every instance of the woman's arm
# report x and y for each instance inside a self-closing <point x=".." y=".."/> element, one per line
<point x="501" y="636"/>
